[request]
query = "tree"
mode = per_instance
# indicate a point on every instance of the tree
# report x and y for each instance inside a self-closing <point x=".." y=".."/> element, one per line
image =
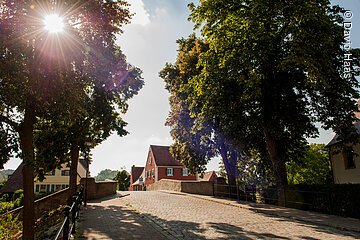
<point x="313" y="168"/>
<point x="283" y="61"/>
<point x="123" y="180"/>
<point x="106" y="174"/>
<point x="198" y="137"/>
<point x="39" y="71"/>
<point x="192" y="145"/>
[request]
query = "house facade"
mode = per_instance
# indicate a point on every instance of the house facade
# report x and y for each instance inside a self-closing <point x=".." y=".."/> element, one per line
<point x="136" y="178"/>
<point x="59" y="179"/>
<point x="160" y="164"/>
<point x="54" y="181"/>
<point x="345" y="161"/>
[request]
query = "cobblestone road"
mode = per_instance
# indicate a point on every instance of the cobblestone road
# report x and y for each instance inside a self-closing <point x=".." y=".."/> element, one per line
<point x="186" y="217"/>
<point x="109" y="218"/>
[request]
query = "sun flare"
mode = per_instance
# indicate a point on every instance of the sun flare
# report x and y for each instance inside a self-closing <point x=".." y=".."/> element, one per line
<point x="54" y="23"/>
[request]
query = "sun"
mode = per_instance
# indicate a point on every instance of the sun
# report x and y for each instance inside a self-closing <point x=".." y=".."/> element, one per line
<point x="54" y="23"/>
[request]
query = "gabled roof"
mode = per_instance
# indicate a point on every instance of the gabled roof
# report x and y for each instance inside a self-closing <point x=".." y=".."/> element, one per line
<point x="336" y="139"/>
<point x="163" y="157"/>
<point x="135" y="173"/>
<point x="207" y="176"/>
<point x="15" y="182"/>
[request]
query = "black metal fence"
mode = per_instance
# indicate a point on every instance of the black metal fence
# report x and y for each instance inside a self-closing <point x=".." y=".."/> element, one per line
<point x="245" y="193"/>
<point x="71" y="214"/>
<point x="340" y="200"/>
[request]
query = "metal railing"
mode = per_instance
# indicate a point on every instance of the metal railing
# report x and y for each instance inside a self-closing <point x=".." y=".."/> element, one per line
<point x="246" y="193"/>
<point x="319" y="201"/>
<point x="68" y="226"/>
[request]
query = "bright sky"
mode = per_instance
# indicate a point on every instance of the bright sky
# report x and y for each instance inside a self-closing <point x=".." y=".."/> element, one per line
<point x="148" y="43"/>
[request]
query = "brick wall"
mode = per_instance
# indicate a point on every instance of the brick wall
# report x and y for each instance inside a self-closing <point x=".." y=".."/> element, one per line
<point x="177" y="174"/>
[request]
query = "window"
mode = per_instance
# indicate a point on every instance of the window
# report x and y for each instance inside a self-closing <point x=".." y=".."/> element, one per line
<point x="185" y="172"/>
<point x="169" y="172"/>
<point x="65" y="172"/>
<point x="37" y="188"/>
<point x="153" y="172"/>
<point x="57" y="187"/>
<point x="52" y="187"/>
<point x="63" y="186"/>
<point x="349" y="158"/>
<point x="48" y="188"/>
<point x="42" y="188"/>
<point x="149" y="160"/>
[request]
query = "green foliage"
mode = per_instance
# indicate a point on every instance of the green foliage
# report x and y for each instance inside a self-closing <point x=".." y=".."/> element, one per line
<point x="271" y="70"/>
<point x="9" y="227"/>
<point x="2" y="183"/>
<point x="8" y="203"/>
<point x="60" y="91"/>
<point x="198" y="136"/>
<point x="49" y="223"/>
<point x="6" y="206"/>
<point x="106" y="174"/>
<point x="123" y="180"/>
<point x="193" y="145"/>
<point x="313" y="168"/>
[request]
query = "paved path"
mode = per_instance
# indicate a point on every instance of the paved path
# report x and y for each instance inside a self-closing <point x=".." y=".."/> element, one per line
<point x="169" y="215"/>
<point x="110" y="218"/>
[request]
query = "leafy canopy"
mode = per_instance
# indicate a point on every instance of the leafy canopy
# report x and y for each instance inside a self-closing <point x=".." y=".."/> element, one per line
<point x="272" y="70"/>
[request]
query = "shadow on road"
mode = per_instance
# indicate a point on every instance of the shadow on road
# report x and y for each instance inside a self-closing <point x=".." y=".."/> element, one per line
<point x="111" y="218"/>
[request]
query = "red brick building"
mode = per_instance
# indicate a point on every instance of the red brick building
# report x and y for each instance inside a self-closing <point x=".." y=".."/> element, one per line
<point x="134" y="176"/>
<point x="208" y="177"/>
<point x="160" y="164"/>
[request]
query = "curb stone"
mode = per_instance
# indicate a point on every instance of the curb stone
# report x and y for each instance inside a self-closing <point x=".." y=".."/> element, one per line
<point x="256" y="209"/>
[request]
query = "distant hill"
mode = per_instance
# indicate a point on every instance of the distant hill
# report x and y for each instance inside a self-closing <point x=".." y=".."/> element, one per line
<point x="7" y="172"/>
<point x="106" y="174"/>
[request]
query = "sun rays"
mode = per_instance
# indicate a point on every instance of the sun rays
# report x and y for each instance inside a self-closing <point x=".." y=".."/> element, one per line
<point x="54" y="23"/>
<point x="49" y="28"/>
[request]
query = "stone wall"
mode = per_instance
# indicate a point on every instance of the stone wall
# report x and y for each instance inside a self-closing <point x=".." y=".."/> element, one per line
<point x="53" y="201"/>
<point x="202" y="188"/>
<point x="194" y="187"/>
<point x="98" y="189"/>
<point x="165" y="184"/>
<point x="45" y="204"/>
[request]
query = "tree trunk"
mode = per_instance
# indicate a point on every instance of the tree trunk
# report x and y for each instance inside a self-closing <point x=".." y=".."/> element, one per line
<point x="26" y="140"/>
<point x="74" y="152"/>
<point x="229" y="165"/>
<point x="278" y="163"/>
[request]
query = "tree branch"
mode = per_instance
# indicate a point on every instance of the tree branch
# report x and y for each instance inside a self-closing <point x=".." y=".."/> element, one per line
<point x="10" y="122"/>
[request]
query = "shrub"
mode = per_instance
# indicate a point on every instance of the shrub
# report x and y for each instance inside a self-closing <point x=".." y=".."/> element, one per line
<point x="9" y="227"/>
<point x="6" y="206"/>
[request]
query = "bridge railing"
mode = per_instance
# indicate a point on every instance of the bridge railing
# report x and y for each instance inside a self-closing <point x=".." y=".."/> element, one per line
<point x="71" y="214"/>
